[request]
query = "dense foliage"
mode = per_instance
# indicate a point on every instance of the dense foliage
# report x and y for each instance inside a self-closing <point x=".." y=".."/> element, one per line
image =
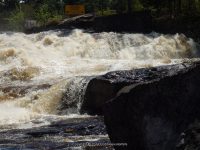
<point x="45" y="11"/>
<point x="121" y="6"/>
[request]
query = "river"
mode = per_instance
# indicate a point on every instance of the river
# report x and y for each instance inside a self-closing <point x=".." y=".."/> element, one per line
<point x="43" y="76"/>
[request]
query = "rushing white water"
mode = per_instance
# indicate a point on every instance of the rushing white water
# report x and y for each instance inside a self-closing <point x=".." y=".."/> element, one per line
<point x="60" y="58"/>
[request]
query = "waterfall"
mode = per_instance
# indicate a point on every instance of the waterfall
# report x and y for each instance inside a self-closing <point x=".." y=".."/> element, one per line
<point x="44" y="75"/>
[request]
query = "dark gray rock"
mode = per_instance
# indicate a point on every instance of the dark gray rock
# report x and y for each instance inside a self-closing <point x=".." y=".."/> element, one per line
<point x="156" y="107"/>
<point x="104" y="88"/>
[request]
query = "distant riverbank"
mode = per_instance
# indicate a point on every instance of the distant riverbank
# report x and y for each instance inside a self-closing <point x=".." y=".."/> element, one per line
<point x="140" y="22"/>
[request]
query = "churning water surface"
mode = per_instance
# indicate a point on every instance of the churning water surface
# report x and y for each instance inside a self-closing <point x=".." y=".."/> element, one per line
<point x="36" y="70"/>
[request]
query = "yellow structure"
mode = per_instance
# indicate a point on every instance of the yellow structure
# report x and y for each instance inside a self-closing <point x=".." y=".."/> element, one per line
<point x="74" y="10"/>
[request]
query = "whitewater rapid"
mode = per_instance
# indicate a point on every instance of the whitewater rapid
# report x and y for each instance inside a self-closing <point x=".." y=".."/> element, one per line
<point x="36" y="70"/>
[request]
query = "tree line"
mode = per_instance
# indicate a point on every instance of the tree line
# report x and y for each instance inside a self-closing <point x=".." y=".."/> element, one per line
<point x="171" y="7"/>
<point x="160" y="7"/>
<point x="45" y="11"/>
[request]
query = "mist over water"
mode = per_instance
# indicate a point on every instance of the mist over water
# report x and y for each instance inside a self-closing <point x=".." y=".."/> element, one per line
<point x="41" y="72"/>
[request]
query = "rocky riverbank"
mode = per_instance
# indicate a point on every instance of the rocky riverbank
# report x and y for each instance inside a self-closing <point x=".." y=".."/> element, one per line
<point x="137" y="22"/>
<point x="76" y="133"/>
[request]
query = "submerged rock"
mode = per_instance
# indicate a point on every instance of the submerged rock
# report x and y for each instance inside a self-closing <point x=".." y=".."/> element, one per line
<point x="153" y="111"/>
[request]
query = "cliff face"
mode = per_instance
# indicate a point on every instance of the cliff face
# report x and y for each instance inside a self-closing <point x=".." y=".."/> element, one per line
<point x="150" y="109"/>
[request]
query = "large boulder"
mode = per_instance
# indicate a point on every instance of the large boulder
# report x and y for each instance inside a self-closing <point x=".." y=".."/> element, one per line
<point x="153" y="112"/>
<point x="104" y="88"/>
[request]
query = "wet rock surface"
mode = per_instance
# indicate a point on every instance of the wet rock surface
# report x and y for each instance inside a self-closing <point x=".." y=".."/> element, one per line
<point x="76" y="133"/>
<point x="155" y="109"/>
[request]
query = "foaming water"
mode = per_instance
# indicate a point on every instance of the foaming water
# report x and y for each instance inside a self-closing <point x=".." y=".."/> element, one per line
<point x="43" y="75"/>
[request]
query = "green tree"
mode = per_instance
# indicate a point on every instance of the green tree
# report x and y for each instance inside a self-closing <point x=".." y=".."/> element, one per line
<point x="43" y="14"/>
<point x="16" y="19"/>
